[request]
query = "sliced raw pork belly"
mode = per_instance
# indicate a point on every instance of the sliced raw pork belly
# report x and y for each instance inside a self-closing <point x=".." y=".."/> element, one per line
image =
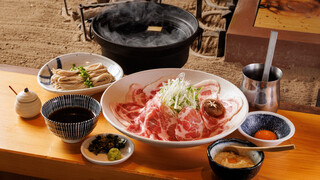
<point x="155" y="122"/>
<point x="135" y="101"/>
<point x="190" y="125"/>
<point x="210" y="89"/>
<point x="126" y="112"/>
<point x="232" y="107"/>
<point x="136" y="95"/>
<point x="144" y="114"/>
<point x="151" y="89"/>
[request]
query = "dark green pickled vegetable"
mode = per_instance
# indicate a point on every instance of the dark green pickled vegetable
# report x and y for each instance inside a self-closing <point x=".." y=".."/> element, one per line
<point x="102" y="144"/>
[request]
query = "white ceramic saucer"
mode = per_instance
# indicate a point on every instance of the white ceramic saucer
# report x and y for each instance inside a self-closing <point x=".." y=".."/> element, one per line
<point x="102" y="159"/>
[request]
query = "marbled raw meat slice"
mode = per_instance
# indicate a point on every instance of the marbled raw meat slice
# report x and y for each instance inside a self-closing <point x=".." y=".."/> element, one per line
<point x="190" y="125"/>
<point x="139" y="123"/>
<point x="159" y="123"/>
<point x="210" y="89"/>
<point x="134" y="103"/>
<point x="136" y="95"/>
<point x="215" y="124"/>
<point x="151" y="89"/>
<point x="155" y="122"/>
<point x="168" y="124"/>
<point x="126" y="112"/>
<point x="137" y="126"/>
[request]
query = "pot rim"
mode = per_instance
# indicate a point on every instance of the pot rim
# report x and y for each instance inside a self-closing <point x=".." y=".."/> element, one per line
<point x="188" y="40"/>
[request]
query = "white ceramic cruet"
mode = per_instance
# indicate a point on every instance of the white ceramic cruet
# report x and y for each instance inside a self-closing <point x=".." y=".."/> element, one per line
<point x="27" y="104"/>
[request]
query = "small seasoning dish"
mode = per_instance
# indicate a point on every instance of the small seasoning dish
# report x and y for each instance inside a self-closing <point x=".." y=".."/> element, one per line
<point x="102" y="158"/>
<point x="272" y="122"/>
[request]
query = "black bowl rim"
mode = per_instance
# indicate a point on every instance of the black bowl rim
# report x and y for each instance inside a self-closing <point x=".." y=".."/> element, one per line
<point x="77" y="123"/>
<point x="168" y="46"/>
<point x="238" y="141"/>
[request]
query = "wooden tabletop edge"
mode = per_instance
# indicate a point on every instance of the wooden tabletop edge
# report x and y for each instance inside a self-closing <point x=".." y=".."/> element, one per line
<point x="19" y="69"/>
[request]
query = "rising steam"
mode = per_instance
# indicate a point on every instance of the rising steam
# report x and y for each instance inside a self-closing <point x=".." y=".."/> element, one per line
<point x="127" y="24"/>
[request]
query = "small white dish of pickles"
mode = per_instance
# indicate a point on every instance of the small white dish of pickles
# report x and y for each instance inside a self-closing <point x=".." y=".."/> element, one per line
<point x="107" y="149"/>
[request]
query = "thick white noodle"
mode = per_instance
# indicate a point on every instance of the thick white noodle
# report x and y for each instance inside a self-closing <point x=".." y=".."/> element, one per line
<point x="70" y="80"/>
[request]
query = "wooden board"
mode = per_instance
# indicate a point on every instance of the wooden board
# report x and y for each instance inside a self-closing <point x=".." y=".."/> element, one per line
<point x="294" y="15"/>
<point x="246" y="43"/>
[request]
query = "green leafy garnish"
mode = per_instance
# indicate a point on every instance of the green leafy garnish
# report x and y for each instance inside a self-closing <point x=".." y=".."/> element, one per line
<point x="83" y="73"/>
<point x="73" y="67"/>
<point x="178" y="93"/>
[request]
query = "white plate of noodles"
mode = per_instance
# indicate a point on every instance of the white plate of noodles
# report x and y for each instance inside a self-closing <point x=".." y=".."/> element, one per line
<point x="79" y="73"/>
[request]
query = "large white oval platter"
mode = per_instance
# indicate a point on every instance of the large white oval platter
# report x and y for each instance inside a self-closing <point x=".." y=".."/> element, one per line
<point x="79" y="59"/>
<point x="117" y="91"/>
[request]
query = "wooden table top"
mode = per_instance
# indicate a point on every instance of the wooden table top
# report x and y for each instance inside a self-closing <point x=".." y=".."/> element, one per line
<point x="299" y="15"/>
<point x="27" y="147"/>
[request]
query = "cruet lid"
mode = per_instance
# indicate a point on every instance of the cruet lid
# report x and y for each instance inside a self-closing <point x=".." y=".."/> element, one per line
<point x="26" y="96"/>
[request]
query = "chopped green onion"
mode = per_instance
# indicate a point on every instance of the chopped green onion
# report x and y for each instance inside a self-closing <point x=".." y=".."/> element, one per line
<point x="178" y="93"/>
<point x="83" y="73"/>
<point x="73" y="67"/>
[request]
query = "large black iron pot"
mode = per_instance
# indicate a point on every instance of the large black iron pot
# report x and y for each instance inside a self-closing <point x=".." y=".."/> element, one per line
<point x="129" y="22"/>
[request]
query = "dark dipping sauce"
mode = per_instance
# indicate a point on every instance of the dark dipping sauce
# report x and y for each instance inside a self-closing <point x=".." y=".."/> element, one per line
<point x="71" y="115"/>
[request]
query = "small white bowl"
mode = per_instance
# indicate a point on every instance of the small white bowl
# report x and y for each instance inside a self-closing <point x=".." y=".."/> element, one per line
<point x="265" y="120"/>
<point x="102" y="159"/>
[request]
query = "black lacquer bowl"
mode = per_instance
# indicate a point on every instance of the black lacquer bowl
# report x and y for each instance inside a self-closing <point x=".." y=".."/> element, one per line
<point x="234" y="173"/>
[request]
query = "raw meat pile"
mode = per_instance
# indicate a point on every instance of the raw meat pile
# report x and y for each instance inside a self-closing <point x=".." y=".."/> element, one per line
<point x="145" y="113"/>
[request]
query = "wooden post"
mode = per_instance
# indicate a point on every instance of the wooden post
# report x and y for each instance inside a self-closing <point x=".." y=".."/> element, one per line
<point x="65" y="6"/>
<point x="199" y="9"/>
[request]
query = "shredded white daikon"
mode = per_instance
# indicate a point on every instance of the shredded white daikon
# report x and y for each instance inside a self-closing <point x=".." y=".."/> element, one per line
<point x="178" y="93"/>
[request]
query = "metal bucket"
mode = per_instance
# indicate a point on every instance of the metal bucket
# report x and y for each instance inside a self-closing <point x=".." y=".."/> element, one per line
<point x="261" y="96"/>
